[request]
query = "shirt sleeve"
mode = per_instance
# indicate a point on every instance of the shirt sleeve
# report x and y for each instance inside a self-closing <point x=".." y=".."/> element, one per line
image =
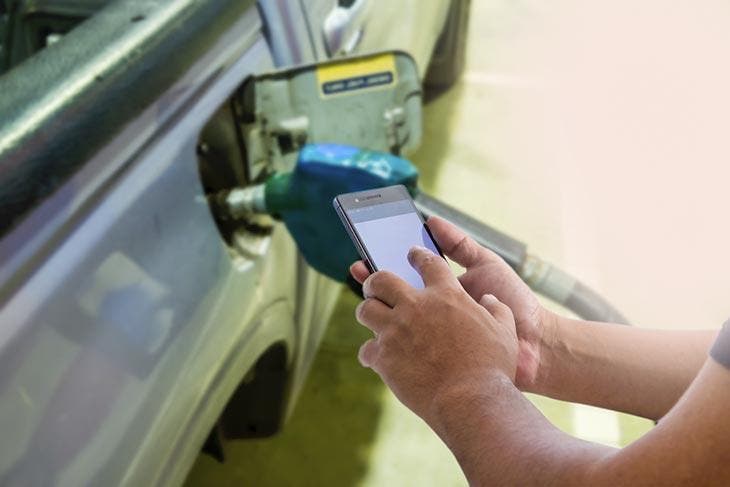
<point x="720" y="350"/>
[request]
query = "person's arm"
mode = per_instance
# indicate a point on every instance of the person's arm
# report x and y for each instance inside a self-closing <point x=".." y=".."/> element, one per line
<point x="634" y="370"/>
<point x="452" y="360"/>
<point x="499" y="438"/>
<point x="629" y="369"/>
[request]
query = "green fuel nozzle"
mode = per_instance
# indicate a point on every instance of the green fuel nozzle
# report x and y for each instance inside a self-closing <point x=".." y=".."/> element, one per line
<point x="302" y="199"/>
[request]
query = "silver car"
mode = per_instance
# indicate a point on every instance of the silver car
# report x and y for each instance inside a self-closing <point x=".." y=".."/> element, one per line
<point x="132" y="321"/>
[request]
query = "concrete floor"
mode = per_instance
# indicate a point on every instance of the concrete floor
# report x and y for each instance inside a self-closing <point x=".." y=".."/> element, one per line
<point x="594" y="131"/>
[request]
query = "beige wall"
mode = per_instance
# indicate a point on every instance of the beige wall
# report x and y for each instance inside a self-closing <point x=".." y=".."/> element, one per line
<point x="601" y="134"/>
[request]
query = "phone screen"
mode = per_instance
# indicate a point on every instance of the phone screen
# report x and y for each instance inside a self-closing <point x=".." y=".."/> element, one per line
<point x="388" y="231"/>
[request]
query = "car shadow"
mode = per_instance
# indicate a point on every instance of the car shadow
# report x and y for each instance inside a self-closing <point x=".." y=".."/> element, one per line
<point x="328" y="439"/>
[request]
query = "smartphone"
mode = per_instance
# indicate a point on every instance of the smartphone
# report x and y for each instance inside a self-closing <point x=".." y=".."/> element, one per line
<point x="384" y="224"/>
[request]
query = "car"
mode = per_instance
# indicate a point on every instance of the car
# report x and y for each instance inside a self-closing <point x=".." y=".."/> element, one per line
<point x="135" y="326"/>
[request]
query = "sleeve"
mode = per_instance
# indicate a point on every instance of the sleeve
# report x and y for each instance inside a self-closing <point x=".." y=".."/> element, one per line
<point x="720" y="350"/>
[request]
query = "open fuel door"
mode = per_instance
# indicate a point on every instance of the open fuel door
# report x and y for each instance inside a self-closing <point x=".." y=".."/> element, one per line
<point x="372" y="101"/>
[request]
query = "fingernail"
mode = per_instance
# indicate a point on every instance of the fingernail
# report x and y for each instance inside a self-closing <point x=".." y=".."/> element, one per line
<point x="414" y="250"/>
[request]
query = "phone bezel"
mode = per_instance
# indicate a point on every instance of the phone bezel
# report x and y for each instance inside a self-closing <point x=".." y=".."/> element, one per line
<point x="361" y="199"/>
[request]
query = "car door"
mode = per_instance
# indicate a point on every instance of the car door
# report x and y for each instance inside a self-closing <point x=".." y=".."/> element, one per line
<point x="127" y="322"/>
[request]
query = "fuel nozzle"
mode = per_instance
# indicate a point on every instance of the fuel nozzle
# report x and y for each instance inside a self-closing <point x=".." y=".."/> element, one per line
<point x="302" y="198"/>
<point x="238" y="203"/>
<point x="322" y="172"/>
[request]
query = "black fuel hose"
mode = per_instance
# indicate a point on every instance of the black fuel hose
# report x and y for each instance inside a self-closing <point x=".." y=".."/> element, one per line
<point x="541" y="276"/>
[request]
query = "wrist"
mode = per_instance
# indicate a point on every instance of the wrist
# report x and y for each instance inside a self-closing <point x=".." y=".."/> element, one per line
<point x="460" y="412"/>
<point x="547" y="344"/>
<point x="465" y="396"/>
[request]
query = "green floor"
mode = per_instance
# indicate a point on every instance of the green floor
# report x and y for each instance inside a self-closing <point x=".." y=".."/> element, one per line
<point x="347" y="429"/>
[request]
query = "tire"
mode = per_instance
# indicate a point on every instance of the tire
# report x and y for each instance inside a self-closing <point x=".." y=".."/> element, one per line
<point x="449" y="55"/>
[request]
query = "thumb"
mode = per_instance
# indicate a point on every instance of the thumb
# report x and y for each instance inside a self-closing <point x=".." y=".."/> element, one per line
<point x="457" y="245"/>
<point x="432" y="267"/>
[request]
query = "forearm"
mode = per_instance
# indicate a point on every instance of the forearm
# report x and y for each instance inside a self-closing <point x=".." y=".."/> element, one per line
<point x="638" y="371"/>
<point x="499" y="438"/>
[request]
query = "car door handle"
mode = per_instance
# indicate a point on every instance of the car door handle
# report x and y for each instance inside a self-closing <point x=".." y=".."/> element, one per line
<point x="344" y="26"/>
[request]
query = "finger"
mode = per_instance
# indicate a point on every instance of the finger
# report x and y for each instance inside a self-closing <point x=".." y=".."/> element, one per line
<point x="359" y="271"/>
<point x="496" y="308"/>
<point x="373" y="314"/>
<point x="387" y="287"/>
<point x="368" y="353"/>
<point x="432" y="268"/>
<point x="459" y="247"/>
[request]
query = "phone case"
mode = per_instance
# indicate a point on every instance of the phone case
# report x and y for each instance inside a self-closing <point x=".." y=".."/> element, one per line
<point x="356" y="241"/>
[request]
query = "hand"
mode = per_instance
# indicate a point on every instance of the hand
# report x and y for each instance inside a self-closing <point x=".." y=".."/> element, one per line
<point x="433" y="340"/>
<point x="487" y="273"/>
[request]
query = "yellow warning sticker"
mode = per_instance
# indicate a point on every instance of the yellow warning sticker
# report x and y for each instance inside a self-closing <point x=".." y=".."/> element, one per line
<point x="351" y="77"/>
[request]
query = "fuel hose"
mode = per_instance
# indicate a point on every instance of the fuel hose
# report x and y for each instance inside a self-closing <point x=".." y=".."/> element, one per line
<point x="542" y="277"/>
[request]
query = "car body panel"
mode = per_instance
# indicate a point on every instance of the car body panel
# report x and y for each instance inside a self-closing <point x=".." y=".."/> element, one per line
<point x="115" y="338"/>
<point x="367" y="26"/>
<point x="127" y="321"/>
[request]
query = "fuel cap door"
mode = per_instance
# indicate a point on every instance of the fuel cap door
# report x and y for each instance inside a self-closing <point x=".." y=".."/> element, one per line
<point x="372" y="101"/>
